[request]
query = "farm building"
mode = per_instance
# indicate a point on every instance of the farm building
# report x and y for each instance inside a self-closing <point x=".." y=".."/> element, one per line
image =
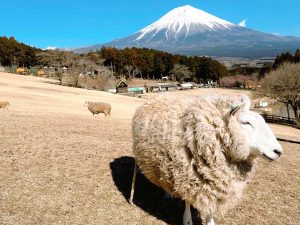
<point x="184" y="86"/>
<point x="162" y="87"/>
<point x="263" y="104"/>
<point x="168" y="86"/>
<point x="121" y="87"/>
<point x="137" y="90"/>
<point x="155" y="88"/>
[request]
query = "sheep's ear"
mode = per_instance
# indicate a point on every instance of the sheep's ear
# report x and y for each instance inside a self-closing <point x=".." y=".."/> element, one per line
<point x="243" y="105"/>
<point x="236" y="109"/>
<point x="246" y="101"/>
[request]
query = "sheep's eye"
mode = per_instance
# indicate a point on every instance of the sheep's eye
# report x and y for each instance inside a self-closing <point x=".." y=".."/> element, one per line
<point x="247" y="123"/>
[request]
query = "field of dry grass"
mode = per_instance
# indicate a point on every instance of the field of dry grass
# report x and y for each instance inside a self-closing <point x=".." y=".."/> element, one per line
<point x="61" y="165"/>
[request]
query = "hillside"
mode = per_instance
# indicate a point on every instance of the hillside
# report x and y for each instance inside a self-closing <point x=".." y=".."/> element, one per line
<point x="60" y="165"/>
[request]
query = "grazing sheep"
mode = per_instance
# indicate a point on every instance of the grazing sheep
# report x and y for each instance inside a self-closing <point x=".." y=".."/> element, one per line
<point x="99" y="107"/>
<point x="4" y="104"/>
<point x="201" y="149"/>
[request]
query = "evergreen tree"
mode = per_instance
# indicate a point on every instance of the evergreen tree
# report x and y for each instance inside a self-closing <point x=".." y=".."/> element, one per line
<point x="283" y="58"/>
<point x="297" y="56"/>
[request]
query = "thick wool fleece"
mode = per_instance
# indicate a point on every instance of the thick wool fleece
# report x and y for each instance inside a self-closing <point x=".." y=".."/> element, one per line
<point x="193" y="149"/>
<point x="99" y="107"/>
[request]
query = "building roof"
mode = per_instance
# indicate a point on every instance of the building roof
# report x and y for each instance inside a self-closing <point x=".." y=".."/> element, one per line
<point x="165" y="85"/>
<point x="121" y="83"/>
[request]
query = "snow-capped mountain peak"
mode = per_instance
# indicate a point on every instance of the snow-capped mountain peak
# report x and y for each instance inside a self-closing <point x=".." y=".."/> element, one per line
<point x="190" y="31"/>
<point x="185" y="19"/>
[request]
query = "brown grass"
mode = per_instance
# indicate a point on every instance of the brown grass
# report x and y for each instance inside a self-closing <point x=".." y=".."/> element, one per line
<point x="61" y="165"/>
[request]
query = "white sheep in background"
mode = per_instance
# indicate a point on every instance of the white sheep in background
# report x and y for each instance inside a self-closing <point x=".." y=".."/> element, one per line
<point x="4" y="104"/>
<point x="201" y="149"/>
<point x="99" y="107"/>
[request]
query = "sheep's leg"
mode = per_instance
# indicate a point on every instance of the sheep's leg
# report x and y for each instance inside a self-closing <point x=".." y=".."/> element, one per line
<point x="210" y="220"/>
<point x="187" y="216"/>
<point x="133" y="183"/>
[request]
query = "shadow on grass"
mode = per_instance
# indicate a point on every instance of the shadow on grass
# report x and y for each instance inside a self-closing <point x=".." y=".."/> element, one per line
<point x="147" y="196"/>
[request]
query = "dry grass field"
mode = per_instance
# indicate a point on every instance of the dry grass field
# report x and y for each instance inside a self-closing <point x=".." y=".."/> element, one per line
<point x="60" y="165"/>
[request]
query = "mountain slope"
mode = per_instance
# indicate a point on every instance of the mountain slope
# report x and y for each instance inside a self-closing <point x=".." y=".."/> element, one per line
<point x="187" y="30"/>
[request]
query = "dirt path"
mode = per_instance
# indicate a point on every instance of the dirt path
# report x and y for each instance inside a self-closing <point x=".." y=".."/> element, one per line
<point x="61" y="165"/>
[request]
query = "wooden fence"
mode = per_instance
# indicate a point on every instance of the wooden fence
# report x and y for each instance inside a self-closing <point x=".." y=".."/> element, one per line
<point x="281" y="120"/>
<point x="288" y="140"/>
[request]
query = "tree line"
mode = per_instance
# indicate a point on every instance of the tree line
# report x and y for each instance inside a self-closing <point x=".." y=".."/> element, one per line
<point x="286" y="57"/>
<point x="153" y="64"/>
<point x="129" y="62"/>
<point x="13" y="52"/>
<point x="134" y="63"/>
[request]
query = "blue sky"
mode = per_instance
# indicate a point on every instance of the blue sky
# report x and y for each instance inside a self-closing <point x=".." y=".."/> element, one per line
<point x="78" y="23"/>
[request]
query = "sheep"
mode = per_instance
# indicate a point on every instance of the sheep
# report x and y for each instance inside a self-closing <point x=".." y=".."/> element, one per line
<point x="99" y="107"/>
<point x="4" y="104"/>
<point x="201" y="149"/>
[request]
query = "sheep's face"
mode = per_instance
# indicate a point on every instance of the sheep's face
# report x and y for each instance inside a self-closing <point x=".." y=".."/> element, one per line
<point x="260" y="139"/>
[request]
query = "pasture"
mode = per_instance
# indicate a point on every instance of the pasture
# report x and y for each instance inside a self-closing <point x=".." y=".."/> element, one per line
<point x="61" y="165"/>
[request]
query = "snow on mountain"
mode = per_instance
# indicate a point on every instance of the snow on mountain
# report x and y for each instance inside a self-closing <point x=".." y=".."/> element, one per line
<point x="190" y="31"/>
<point x="183" y="18"/>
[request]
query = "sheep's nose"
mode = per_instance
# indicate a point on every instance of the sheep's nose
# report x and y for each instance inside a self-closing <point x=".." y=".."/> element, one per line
<point x="278" y="152"/>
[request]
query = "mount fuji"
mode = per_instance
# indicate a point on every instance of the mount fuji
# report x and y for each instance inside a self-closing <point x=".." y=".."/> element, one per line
<point x="191" y="31"/>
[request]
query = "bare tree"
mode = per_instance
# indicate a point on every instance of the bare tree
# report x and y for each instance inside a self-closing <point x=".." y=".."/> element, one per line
<point x="74" y="74"/>
<point x="74" y="68"/>
<point x="181" y="72"/>
<point x="59" y="74"/>
<point x="103" y="78"/>
<point x="283" y="84"/>
<point x="56" y="59"/>
<point x="132" y="72"/>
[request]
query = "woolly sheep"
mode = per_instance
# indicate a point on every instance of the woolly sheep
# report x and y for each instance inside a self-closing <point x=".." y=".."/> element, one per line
<point x="201" y="149"/>
<point x="99" y="107"/>
<point x="4" y="104"/>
